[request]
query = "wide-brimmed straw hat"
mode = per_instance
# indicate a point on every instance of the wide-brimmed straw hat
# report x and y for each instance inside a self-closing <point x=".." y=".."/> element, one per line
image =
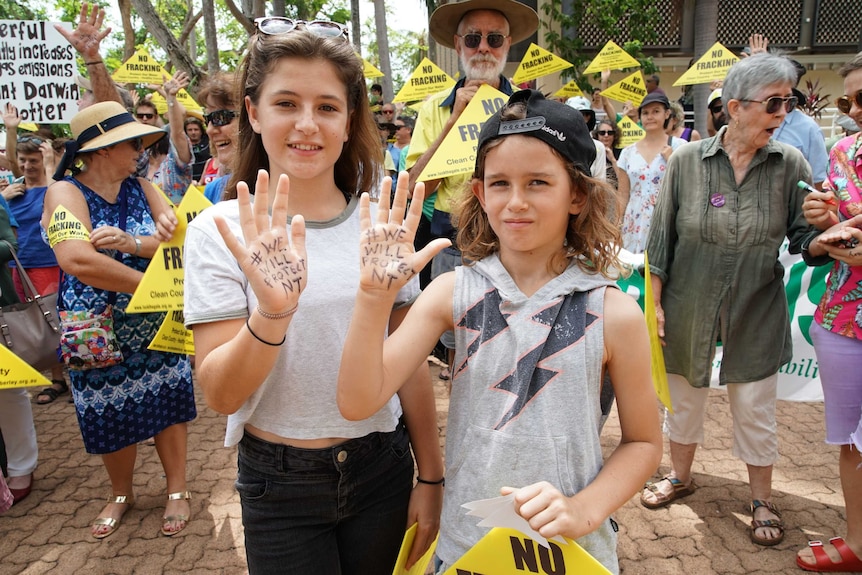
<point x="523" y="20"/>
<point x="107" y="123"/>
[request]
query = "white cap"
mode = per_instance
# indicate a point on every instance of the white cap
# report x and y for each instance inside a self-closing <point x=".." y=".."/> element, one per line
<point x="713" y="96"/>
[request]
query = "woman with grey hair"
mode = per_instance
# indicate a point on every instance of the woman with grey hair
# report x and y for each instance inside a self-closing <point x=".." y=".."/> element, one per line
<point x="725" y="207"/>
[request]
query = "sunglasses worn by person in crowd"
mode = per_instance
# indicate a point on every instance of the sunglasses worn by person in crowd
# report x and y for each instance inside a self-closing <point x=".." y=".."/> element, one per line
<point x="219" y="118"/>
<point x="137" y="144"/>
<point x="144" y="116"/>
<point x="26" y="139"/>
<point x="605" y="132"/>
<point x="773" y="104"/>
<point x="715" y="109"/>
<point x="844" y="103"/>
<point x="473" y="39"/>
<point x="276" y="25"/>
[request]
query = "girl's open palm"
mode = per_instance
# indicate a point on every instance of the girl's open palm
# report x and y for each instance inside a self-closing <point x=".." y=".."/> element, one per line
<point x="387" y="259"/>
<point x="276" y="268"/>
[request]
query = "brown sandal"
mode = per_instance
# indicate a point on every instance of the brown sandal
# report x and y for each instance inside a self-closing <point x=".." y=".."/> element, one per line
<point x="680" y="490"/>
<point x="774" y="523"/>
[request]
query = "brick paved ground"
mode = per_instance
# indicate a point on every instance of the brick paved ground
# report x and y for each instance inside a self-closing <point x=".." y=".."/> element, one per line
<point x="708" y="533"/>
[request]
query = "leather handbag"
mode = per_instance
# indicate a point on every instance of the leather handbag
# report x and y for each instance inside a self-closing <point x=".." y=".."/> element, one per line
<point x="30" y="329"/>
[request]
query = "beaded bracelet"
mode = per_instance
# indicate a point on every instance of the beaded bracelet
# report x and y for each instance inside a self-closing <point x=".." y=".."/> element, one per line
<point x="282" y="315"/>
<point x="261" y="340"/>
<point x="442" y="481"/>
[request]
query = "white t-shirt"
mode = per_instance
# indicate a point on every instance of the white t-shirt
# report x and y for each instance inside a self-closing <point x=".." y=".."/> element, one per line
<point x="297" y="399"/>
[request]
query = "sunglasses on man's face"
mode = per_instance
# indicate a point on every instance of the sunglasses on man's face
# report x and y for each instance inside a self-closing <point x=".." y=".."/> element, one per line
<point x="844" y="103"/>
<point x="137" y="144"/>
<point x="473" y="39"/>
<point x="774" y="103"/>
<point x="715" y="109"/>
<point x="387" y="112"/>
<point x="276" y="25"/>
<point x="219" y="118"/>
<point x="144" y="116"/>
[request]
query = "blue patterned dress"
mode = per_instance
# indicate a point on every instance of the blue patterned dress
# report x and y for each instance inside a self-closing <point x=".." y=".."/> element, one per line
<point x="123" y="404"/>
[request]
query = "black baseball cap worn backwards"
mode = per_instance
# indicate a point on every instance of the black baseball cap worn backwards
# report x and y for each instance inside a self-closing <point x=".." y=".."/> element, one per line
<point x="560" y="126"/>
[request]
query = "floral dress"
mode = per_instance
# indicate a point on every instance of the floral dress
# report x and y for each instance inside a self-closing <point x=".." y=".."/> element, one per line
<point x="645" y="179"/>
<point x="148" y="391"/>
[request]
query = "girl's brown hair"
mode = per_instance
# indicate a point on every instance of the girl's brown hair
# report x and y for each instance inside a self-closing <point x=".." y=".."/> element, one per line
<point x="592" y="238"/>
<point x="360" y="165"/>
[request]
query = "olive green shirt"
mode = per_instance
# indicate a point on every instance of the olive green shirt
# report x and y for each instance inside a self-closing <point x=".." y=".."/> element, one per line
<point x="714" y="245"/>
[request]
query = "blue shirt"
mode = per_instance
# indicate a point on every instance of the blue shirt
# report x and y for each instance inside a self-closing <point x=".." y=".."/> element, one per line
<point x="802" y="132"/>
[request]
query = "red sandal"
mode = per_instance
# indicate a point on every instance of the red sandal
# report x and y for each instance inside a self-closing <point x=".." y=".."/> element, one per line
<point x="824" y="564"/>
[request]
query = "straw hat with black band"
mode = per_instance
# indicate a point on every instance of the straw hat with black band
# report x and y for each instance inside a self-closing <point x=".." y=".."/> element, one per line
<point x="102" y="125"/>
<point x="523" y="20"/>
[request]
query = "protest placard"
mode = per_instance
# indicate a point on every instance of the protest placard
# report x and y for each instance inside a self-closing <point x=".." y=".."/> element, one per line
<point x="426" y="79"/>
<point x="538" y="62"/>
<point x="37" y="71"/>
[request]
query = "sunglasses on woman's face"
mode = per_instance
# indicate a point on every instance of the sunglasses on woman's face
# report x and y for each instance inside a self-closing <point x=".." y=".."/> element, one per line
<point x="473" y="39"/>
<point x="844" y="103"/>
<point x="774" y="103"/>
<point x="605" y="132"/>
<point x="219" y="118"/>
<point x="276" y="25"/>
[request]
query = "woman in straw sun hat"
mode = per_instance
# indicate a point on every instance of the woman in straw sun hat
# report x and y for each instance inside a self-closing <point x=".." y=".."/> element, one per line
<point x="148" y="394"/>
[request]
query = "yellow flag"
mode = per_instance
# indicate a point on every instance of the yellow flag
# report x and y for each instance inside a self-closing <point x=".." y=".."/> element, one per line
<point x="630" y="132"/>
<point x="161" y="288"/>
<point x="141" y="68"/>
<point x="421" y="564"/>
<point x="368" y="68"/>
<point x="173" y="337"/>
<point x="659" y="374"/>
<point x="611" y="57"/>
<point x="63" y="225"/>
<point x="629" y="89"/>
<point x="15" y="372"/>
<point x="570" y="90"/>
<point x="713" y="65"/>
<point x="538" y="62"/>
<point x="510" y="552"/>
<point x="426" y="79"/>
<point x="457" y="153"/>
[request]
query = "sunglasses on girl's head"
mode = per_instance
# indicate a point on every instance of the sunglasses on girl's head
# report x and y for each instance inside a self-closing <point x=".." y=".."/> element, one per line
<point x="473" y="39"/>
<point x="844" y="103"/>
<point x="219" y="117"/>
<point x="275" y="25"/>
<point x="605" y="132"/>
<point x="773" y="104"/>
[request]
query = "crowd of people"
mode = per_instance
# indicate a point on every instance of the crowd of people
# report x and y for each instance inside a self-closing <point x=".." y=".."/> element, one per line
<point x="319" y="219"/>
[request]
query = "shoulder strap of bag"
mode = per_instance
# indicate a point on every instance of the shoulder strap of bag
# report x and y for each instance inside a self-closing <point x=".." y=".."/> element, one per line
<point x="29" y="289"/>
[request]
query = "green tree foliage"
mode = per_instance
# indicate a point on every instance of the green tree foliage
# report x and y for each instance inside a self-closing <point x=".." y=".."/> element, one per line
<point x="614" y="18"/>
<point x="14" y="10"/>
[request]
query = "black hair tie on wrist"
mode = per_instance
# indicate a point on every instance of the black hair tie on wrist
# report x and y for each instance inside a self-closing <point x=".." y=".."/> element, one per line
<point x="441" y="481"/>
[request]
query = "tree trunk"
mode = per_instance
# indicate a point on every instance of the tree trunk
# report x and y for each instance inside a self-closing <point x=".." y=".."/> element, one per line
<point x="243" y="18"/>
<point x="176" y="53"/>
<point x="128" y="30"/>
<point x="705" y="35"/>
<point x="383" y="48"/>
<point x="210" y="37"/>
<point x="356" y="26"/>
<point x="279" y="8"/>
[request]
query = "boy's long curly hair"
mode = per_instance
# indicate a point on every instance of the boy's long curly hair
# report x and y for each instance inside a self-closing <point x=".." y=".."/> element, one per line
<point x="592" y="239"/>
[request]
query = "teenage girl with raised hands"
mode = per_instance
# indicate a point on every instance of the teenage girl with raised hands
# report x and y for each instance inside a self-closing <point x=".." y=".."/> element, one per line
<point x="537" y="321"/>
<point x="270" y="287"/>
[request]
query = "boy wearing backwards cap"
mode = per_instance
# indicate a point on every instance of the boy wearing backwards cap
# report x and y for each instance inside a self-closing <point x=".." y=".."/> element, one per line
<point x="537" y="321"/>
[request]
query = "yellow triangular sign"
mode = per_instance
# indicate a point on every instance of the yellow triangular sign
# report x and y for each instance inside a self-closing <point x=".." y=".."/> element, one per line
<point x="29" y="126"/>
<point x="713" y="65"/>
<point x="406" y="545"/>
<point x="659" y="375"/>
<point x="457" y="153"/>
<point x="629" y="89"/>
<point x="63" y="225"/>
<point x="183" y="98"/>
<point x="368" y="68"/>
<point x="611" y="57"/>
<point x="161" y="288"/>
<point x="510" y="552"/>
<point x="15" y="372"/>
<point x="630" y="132"/>
<point x="426" y="79"/>
<point x="538" y="62"/>
<point x="141" y="68"/>
<point x="570" y="90"/>
<point x="173" y="337"/>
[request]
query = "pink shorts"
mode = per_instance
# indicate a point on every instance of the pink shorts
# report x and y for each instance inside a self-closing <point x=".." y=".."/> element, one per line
<point x="46" y="280"/>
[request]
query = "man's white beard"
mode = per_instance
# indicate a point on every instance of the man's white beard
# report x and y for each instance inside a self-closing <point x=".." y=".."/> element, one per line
<point x="482" y="67"/>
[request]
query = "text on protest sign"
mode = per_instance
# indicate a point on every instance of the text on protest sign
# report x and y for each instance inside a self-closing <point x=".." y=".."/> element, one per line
<point x="37" y="71"/>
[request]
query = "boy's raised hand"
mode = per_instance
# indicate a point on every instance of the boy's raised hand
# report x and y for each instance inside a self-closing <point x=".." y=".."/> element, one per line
<point x="276" y="267"/>
<point x="387" y="259"/>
